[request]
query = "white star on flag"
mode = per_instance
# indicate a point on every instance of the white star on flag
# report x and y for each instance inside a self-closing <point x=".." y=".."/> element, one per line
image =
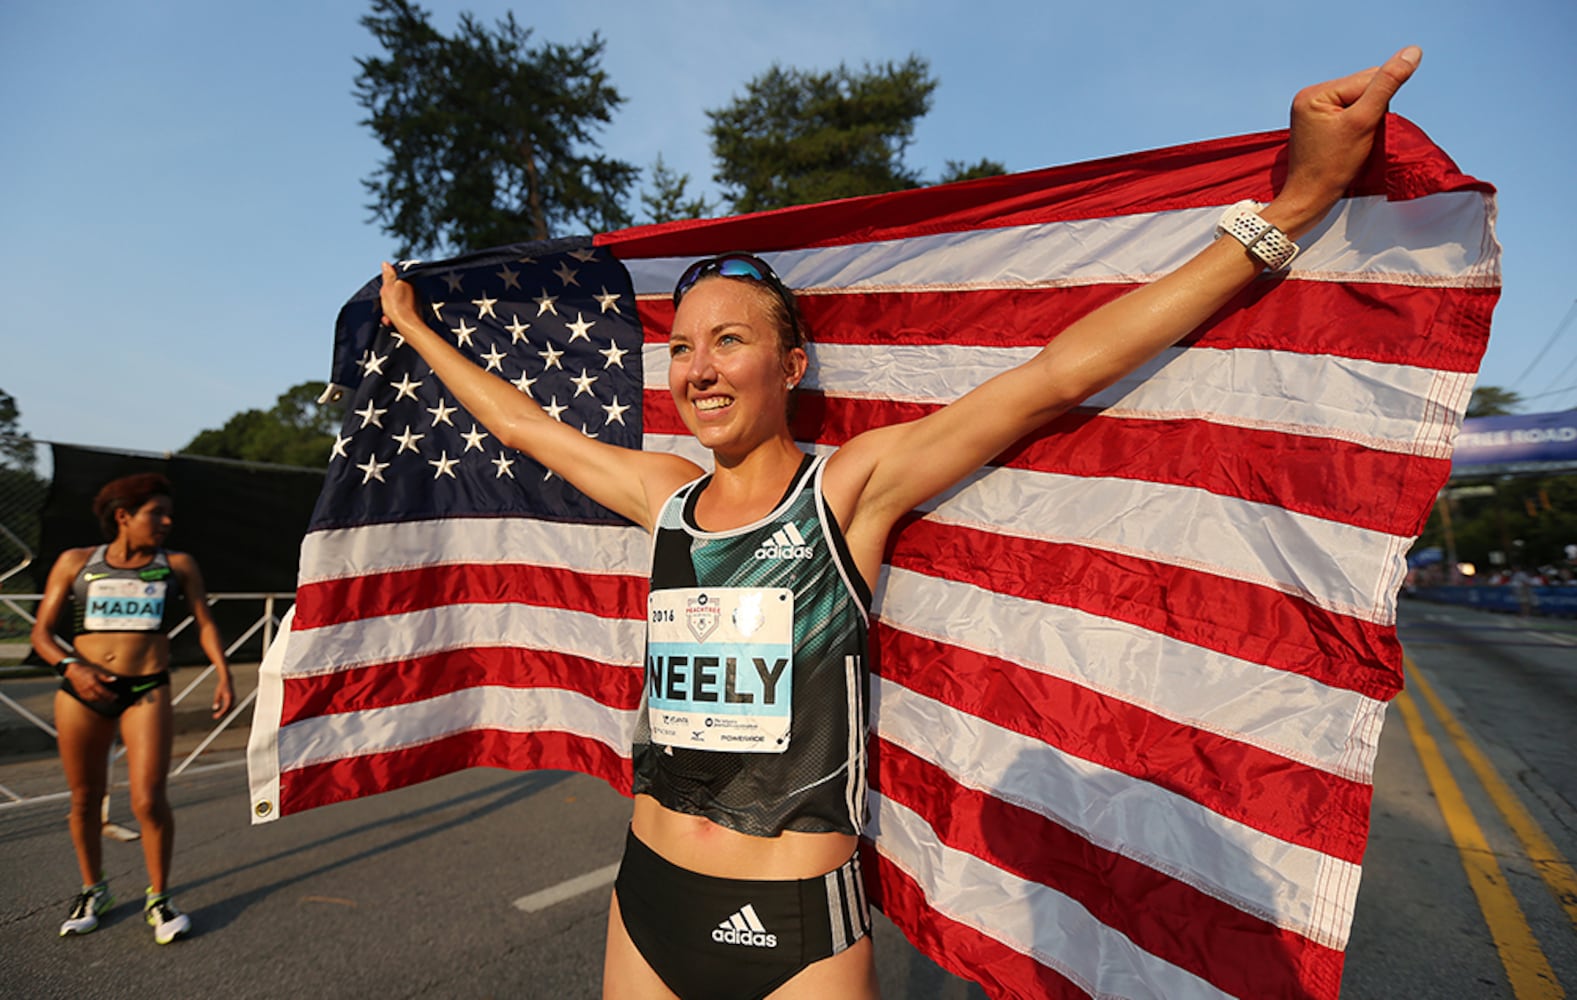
<point x="371" y="415"/>
<point x="608" y="300"/>
<point x="373" y="469"/>
<point x="441" y="413"/>
<point x="408" y="441"/>
<point x="405" y="387"/>
<point x="444" y="465"/>
<point x="615" y="355"/>
<point x="615" y="411"/>
<point x="475" y="438"/>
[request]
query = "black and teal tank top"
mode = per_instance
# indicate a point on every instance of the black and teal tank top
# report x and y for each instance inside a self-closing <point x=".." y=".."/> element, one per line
<point x="755" y="710"/>
<point x="109" y="599"/>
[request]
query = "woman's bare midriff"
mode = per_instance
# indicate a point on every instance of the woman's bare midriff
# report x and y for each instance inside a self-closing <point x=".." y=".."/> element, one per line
<point x="125" y="654"/>
<point x="701" y="846"/>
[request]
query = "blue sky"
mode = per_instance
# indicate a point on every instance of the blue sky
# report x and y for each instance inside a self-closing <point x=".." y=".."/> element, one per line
<point x="182" y="210"/>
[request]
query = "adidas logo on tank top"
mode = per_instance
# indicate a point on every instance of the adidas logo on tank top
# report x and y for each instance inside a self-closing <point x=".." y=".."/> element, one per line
<point x="785" y="543"/>
<point x="745" y="928"/>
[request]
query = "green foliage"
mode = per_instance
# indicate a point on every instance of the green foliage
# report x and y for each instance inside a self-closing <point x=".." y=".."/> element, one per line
<point x="1492" y="401"/>
<point x="797" y="137"/>
<point x="489" y="139"/>
<point x="668" y="200"/>
<point x="297" y="430"/>
<point x="1529" y="521"/>
<point x="17" y="448"/>
<point x="957" y="170"/>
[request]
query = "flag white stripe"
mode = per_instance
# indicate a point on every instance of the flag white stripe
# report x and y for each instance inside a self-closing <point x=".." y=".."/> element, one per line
<point x="1392" y="407"/>
<point x="1027" y="916"/>
<point x="344" y="735"/>
<point x="1339" y="567"/>
<point x="1284" y="713"/>
<point x="1254" y="871"/>
<point x="1416" y="241"/>
<point x="379" y="548"/>
<point x="262" y="744"/>
<point x="614" y="641"/>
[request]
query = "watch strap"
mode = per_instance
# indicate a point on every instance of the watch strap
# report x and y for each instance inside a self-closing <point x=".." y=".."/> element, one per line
<point x="1269" y="245"/>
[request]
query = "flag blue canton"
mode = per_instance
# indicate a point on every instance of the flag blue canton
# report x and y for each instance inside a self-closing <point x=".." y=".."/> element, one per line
<point x="557" y="320"/>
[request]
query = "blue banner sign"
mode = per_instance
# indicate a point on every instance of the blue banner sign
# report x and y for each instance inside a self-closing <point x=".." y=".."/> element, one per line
<point x="1517" y="440"/>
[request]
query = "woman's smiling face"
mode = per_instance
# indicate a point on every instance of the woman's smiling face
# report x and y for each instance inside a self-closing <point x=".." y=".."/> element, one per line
<point x="727" y="369"/>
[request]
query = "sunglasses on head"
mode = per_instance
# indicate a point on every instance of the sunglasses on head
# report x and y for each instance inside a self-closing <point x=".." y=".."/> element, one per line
<point x="738" y="265"/>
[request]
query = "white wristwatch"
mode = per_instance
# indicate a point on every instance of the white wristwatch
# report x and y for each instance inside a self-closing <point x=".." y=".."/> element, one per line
<point x="1262" y="239"/>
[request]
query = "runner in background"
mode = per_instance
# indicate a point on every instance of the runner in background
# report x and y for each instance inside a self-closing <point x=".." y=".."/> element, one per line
<point x="126" y="595"/>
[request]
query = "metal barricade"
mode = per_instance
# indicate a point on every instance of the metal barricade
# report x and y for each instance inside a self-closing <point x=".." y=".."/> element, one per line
<point x="272" y="608"/>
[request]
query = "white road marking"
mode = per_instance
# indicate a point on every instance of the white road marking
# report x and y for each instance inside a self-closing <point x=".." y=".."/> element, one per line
<point x="578" y="886"/>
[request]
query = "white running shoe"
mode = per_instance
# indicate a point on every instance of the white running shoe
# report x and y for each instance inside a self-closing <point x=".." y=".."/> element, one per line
<point x="84" y="917"/>
<point x="167" y="922"/>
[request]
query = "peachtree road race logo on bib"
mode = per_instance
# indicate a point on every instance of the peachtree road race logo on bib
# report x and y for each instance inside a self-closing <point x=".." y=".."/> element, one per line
<point x="702" y="615"/>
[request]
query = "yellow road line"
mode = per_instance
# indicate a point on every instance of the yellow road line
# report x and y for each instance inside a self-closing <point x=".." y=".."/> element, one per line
<point x="1527" y="969"/>
<point x="1546" y="858"/>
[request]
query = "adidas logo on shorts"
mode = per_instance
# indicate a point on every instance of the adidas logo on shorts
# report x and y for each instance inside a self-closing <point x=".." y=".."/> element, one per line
<point x="745" y="928"/>
<point x="785" y="543"/>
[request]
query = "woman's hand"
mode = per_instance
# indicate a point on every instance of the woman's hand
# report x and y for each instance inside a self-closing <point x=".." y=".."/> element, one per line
<point x="224" y="696"/>
<point x="1333" y="130"/>
<point x="397" y="296"/>
<point x="88" y="681"/>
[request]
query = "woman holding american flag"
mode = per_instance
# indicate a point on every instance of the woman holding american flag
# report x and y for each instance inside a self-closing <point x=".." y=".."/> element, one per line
<point x="741" y="874"/>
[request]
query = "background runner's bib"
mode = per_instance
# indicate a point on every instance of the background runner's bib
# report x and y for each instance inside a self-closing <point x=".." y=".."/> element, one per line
<point x="720" y="668"/>
<point x="147" y="598"/>
<point x="120" y="605"/>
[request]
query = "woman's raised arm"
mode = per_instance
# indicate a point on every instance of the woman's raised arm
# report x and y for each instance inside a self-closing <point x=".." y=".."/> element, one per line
<point x="888" y="471"/>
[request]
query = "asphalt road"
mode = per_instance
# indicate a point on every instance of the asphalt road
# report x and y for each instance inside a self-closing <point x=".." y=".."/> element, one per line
<point x="414" y="894"/>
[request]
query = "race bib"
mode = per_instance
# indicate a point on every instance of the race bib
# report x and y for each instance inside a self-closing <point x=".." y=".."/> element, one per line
<point x="720" y="668"/>
<point x="125" y="605"/>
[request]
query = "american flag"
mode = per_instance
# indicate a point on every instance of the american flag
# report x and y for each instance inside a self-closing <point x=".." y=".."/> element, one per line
<point x="1128" y="680"/>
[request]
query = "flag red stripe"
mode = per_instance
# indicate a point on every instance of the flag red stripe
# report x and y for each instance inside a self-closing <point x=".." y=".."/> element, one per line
<point x="1323" y="477"/>
<point x="1217" y="172"/>
<point x="1405" y="325"/>
<point x="1239" y="619"/>
<point x="1120" y="892"/>
<point x="356" y="777"/>
<point x="403" y="681"/>
<point x="1283" y="798"/>
<point x="1006" y="974"/>
<point x="347" y="599"/>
